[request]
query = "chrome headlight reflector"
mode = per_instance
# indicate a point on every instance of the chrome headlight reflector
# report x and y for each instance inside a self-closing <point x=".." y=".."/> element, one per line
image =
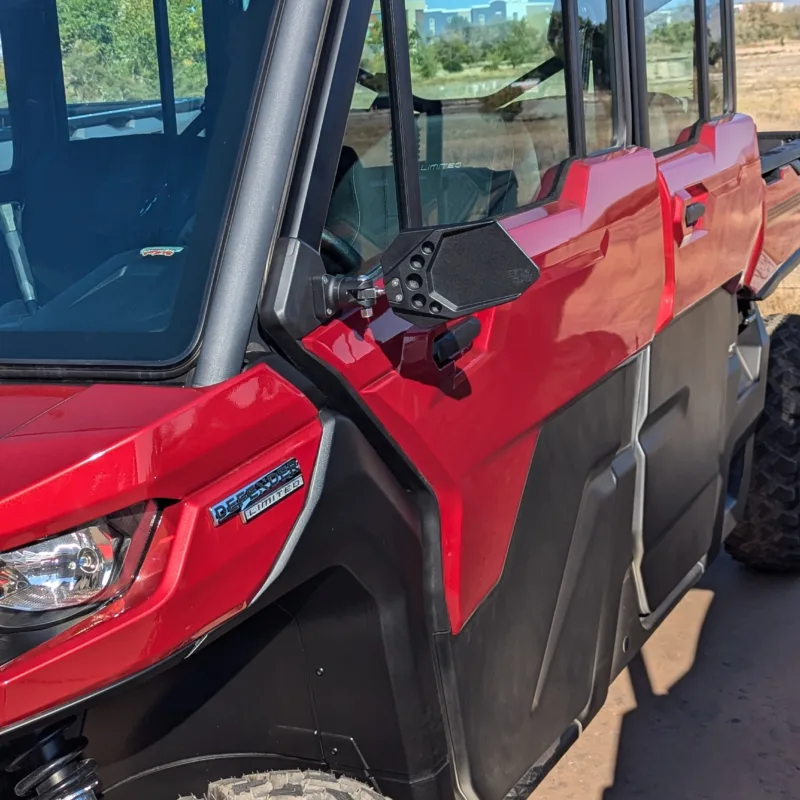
<point x="67" y="571"/>
<point x="82" y="567"/>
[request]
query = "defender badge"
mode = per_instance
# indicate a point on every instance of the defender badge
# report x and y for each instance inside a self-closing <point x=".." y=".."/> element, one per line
<point x="260" y="495"/>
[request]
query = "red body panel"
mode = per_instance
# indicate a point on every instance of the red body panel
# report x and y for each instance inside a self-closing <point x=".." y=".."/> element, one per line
<point x="782" y="224"/>
<point x="84" y="453"/>
<point x="471" y="428"/>
<point x="722" y="170"/>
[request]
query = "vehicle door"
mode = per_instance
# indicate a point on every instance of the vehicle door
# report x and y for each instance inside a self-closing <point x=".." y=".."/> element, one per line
<point x="518" y="416"/>
<point x="712" y="200"/>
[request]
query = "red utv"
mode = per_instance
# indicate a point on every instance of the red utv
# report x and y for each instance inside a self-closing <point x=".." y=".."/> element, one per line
<point x="374" y="379"/>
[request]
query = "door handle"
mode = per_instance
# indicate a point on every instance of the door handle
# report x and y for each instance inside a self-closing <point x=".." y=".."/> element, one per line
<point x="455" y="340"/>
<point x="694" y="212"/>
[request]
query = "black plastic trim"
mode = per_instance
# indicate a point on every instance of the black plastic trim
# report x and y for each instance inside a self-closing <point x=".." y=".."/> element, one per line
<point x="557" y="597"/>
<point x="288" y="297"/>
<point x="30" y="724"/>
<point x="448" y="273"/>
<point x="332" y="664"/>
<point x="780" y="156"/>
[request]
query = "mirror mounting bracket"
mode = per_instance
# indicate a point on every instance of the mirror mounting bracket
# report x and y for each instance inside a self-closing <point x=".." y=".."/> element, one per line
<point x="335" y="293"/>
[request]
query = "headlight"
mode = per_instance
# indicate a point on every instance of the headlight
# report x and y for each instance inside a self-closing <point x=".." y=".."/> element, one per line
<point x="79" y="568"/>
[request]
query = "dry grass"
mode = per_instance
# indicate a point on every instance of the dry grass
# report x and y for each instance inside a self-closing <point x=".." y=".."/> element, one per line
<point x="768" y="84"/>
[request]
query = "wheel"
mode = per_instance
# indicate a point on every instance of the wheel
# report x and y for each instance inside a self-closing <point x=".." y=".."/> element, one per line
<point x="768" y="539"/>
<point x="290" y="785"/>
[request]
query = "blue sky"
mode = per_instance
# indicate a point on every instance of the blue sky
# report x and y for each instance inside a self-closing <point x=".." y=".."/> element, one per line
<point x="451" y="5"/>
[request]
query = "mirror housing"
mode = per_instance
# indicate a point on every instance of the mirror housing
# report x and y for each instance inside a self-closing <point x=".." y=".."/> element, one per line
<point x="440" y="274"/>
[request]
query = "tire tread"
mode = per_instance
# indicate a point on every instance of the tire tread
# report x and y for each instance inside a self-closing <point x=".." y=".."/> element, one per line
<point x="768" y="538"/>
<point x="289" y="785"/>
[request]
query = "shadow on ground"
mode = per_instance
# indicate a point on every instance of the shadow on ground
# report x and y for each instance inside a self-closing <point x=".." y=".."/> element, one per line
<point x="730" y="727"/>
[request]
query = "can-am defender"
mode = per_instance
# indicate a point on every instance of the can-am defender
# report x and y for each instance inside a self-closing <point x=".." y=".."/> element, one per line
<point x="365" y="409"/>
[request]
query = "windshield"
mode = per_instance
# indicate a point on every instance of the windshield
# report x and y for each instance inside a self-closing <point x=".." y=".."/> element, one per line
<point x="120" y="126"/>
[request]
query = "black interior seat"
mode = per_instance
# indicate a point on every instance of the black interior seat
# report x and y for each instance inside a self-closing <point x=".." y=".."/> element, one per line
<point x="364" y="213"/>
<point x="81" y="199"/>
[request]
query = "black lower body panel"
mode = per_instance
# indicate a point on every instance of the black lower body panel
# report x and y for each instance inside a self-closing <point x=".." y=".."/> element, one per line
<point x="535" y="658"/>
<point x="333" y="668"/>
<point x="683" y="438"/>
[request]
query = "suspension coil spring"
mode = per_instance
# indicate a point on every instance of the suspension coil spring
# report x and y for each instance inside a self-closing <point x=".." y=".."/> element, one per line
<point x="55" y="767"/>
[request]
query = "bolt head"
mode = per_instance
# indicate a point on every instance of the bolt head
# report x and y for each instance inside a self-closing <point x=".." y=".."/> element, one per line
<point x="329" y="312"/>
<point x="396" y="282"/>
<point x="334" y="751"/>
<point x="320" y="671"/>
<point x="398" y="298"/>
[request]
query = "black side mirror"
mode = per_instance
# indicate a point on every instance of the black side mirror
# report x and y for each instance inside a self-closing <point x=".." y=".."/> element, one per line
<point x="447" y="273"/>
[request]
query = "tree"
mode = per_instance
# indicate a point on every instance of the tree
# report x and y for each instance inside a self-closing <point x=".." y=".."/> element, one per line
<point x="453" y="53"/>
<point x="109" y="49"/>
<point x="517" y="46"/>
<point x="425" y="59"/>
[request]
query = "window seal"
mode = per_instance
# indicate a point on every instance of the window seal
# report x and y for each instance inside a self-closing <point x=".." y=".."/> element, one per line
<point x="166" y="76"/>
<point x="638" y="73"/>
<point x="621" y="84"/>
<point x="701" y="60"/>
<point x="728" y="56"/>
<point x="404" y="129"/>
<point x="576" y="122"/>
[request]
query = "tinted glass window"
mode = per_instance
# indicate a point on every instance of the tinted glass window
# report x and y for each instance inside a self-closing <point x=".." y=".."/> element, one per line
<point x="493" y="108"/>
<point x="6" y="145"/>
<point x="716" y="58"/>
<point x="672" y="99"/>
<point x="110" y="65"/>
<point x="118" y="233"/>
<point x="767" y="58"/>
<point x="188" y="45"/>
<point x="363" y="208"/>
<point x="597" y="46"/>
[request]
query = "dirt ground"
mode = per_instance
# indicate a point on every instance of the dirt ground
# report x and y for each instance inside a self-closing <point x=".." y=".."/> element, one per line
<point x="785" y="300"/>
<point x="711" y="711"/>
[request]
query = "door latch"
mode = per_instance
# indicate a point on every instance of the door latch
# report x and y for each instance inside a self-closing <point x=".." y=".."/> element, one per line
<point x="694" y="213"/>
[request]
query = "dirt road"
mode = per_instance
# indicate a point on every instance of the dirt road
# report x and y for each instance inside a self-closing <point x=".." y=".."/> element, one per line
<point x="712" y="709"/>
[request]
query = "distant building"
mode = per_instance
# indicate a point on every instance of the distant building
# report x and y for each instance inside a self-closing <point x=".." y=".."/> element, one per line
<point x="776" y="7"/>
<point x="415" y="9"/>
<point x="432" y="21"/>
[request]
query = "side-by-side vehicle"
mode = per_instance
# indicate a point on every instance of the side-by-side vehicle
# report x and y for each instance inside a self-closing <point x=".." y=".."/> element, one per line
<point x="375" y="378"/>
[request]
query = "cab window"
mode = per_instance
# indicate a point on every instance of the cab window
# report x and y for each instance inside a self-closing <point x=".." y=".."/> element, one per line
<point x="489" y="97"/>
<point x="672" y="96"/>
<point x="110" y="64"/>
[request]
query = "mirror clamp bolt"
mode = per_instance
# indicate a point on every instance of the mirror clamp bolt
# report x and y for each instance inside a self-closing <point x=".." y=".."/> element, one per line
<point x="335" y="293"/>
